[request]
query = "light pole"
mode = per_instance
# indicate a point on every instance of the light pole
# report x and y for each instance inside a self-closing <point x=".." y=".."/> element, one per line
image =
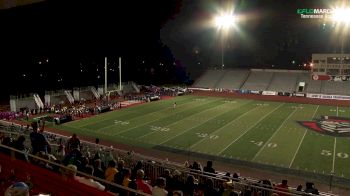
<point x="342" y="17"/>
<point x="224" y="23"/>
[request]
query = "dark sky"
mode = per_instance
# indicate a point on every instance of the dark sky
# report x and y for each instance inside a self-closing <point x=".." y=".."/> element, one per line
<point x="272" y="34"/>
<point x="77" y="35"/>
<point x="150" y="36"/>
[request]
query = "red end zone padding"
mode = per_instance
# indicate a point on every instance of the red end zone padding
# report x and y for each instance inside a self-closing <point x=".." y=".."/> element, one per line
<point x="43" y="180"/>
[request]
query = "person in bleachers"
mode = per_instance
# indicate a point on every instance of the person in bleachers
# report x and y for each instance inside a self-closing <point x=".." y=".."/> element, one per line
<point x="159" y="188"/>
<point x="310" y="188"/>
<point x="38" y="140"/>
<point x="209" y="168"/>
<point x="135" y="169"/>
<point x="19" y="145"/>
<point x="189" y="186"/>
<point x="196" y="167"/>
<point x="142" y="185"/>
<point x="73" y="157"/>
<point x="6" y="141"/>
<point x="73" y="142"/>
<point x="110" y="171"/>
<point x="168" y="178"/>
<point x="127" y="175"/>
<point x="283" y="187"/>
<point x="98" y="172"/>
<point x="17" y="189"/>
<point x="89" y="181"/>
<point x="209" y="188"/>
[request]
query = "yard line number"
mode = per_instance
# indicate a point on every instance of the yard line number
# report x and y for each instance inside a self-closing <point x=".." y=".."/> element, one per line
<point x="119" y="122"/>
<point x="342" y="155"/>
<point x="206" y="135"/>
<point x="162" y="129"/>
<point x="261" y="143"/>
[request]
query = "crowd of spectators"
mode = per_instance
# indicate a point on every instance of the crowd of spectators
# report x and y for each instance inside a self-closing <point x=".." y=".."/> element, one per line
<point x="134" y="175"/>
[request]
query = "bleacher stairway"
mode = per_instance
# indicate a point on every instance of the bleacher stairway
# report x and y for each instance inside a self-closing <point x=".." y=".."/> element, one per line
<point x="38" y="101"/>
<point x="69" y="96"/>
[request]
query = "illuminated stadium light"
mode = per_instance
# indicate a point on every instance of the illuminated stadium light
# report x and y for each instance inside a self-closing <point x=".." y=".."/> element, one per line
<point x="341" y="15"/>
<point x="225" y="21"/>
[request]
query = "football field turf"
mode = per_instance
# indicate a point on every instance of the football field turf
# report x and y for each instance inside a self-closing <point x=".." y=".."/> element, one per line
<point x="249" y="130"/>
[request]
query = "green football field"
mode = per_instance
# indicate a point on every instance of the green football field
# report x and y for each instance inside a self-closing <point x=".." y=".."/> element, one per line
<point x="249" y="130"/>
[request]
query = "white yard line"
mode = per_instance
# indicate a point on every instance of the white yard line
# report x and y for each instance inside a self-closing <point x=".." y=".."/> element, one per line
<point x="236" y="106"/>
<point x="246" y="131"/>
<point x="273" y="135"/>
<point x="302" y="139"/>
<point x="189" y="129"/>
<point x="337" y="111"/>
<point x="167" y="116"/>
<point x="113" y="117"/>
<point x="230" y="123"/>
<point x="334" y="150"/>
<point x="334" y="147"/>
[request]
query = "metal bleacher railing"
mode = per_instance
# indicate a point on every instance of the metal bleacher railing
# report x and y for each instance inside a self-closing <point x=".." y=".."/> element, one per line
<point x="153" y="167"/>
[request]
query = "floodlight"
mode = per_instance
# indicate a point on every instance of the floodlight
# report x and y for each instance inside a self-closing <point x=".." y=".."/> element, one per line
<point x="341" y="15"/>
<point x="225" y="21"/>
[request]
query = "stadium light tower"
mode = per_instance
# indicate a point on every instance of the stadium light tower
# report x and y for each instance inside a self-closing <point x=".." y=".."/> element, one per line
<point x="342" y="16"/>
<point x="224" y="22"/>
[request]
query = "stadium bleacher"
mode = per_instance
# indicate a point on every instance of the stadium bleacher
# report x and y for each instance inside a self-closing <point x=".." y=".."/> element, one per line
<point x="258" y="80"/>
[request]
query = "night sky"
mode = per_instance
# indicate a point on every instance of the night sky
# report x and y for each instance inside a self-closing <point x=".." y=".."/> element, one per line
<point x="161" y="41"/>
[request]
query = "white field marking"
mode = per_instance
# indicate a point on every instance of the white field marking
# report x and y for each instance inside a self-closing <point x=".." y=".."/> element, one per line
<point x="302" y="139"/>
<point x="273" y="135"/>
<point x="141" y="116"/>
<point x="145" y="122"/>
<point x="158" y="119"/>
<point x="171" y="124"/>
<point x="337" y="110"/>
<point x="89" y="123"/>
<point x="246" y="131"/>
<point x="192" y="127"/>
<point x="230" y="123"/>
<point x="334" y="149"/>
<point x="335" y="146"/>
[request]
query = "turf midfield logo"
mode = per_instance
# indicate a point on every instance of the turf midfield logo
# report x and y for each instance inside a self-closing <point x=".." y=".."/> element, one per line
<point x="330" y="125"/>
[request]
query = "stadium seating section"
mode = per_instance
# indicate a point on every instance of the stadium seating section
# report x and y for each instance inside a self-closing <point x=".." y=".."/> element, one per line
<point x="269" y="80"/>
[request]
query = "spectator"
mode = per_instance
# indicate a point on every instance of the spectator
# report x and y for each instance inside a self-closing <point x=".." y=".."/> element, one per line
<point x="176" y="182"/>
<point x="283" y="187"/>
<point x="189" y="185"/>
<point x="159" y="189"/>
<point x="209" y="168"/>
<point x="73" y="142"/>
<point x="73" y="157"/>
<point x="196" y="167"/>
<point x="168" y="178"/>
<point x="89" y="181"/>
<point x="135" y="169"/>
<point x="141" y="184"/>
<point x="119" y="177"/>
<point x="98" y="172"/>
<point x="209" y="188"/>
<point x="17" y="189"/>
<point x="38" y="140"/>
<point x="7" y="141"/>
<point x="19" y="145"/>
<point x="310" y="188"/>
<point x="110" y="171"/>
<point x="178" y="193"/>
